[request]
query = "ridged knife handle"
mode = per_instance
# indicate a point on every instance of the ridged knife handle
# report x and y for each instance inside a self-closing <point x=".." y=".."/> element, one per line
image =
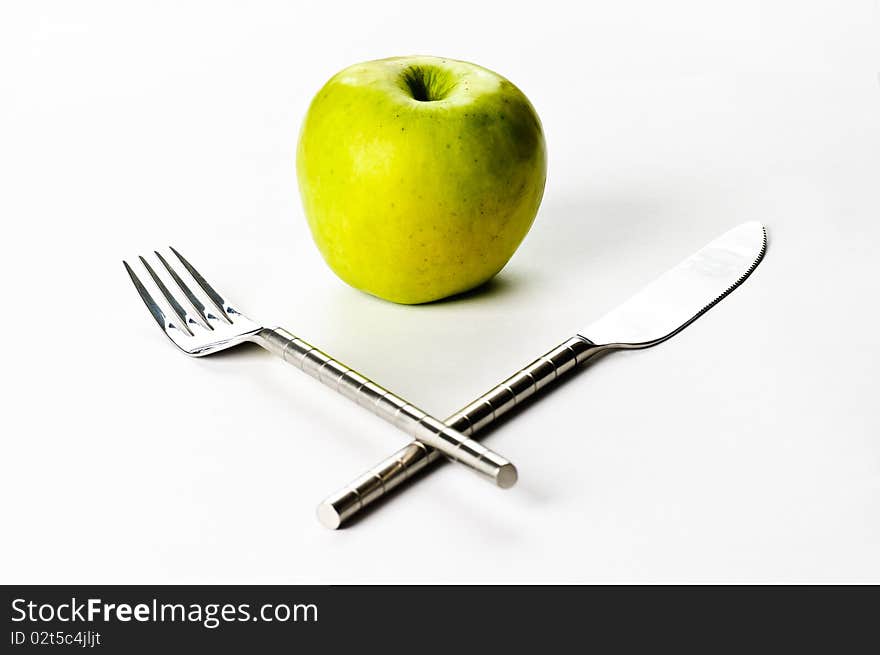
<point x="394" y="409"/>
<point x="391" y="472"/>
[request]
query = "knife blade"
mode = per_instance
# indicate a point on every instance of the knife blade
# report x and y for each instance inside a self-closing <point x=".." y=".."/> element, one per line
<point x="656" y="313"/>
<point x="684" y="293"/>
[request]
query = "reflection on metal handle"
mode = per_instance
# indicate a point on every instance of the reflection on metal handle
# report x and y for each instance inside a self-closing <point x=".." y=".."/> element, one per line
<point x="375" y="483"/>
<point x="427" y="430"/>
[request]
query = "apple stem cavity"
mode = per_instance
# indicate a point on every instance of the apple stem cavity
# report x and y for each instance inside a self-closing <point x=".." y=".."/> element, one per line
<point x="427" y="83"/>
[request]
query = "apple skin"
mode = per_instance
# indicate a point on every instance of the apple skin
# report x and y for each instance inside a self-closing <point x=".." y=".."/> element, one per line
<point x="420" y="176"/>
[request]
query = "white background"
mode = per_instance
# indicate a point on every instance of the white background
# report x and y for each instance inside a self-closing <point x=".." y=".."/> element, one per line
<point x="747" y="449"/>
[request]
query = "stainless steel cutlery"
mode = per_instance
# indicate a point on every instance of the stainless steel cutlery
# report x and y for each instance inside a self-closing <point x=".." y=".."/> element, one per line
<point x="200" y="321"/>
<point x="659" y="311"/>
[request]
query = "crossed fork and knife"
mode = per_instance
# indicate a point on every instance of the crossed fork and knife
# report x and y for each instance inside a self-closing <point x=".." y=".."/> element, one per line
<point x="200" y="322"/>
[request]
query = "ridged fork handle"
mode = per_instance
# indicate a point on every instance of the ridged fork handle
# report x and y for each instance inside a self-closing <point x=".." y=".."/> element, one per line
<point x="415" y="422"/>
<point x="391" y="472"/>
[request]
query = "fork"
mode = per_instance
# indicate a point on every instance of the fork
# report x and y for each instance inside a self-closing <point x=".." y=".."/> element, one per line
<point x="204" y="325"/>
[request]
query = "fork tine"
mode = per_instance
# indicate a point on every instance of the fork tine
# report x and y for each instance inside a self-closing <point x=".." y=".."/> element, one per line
<point x="204" y="315"/>
<point x="207" y="288"/>
<point x="175" y="306"/>
<point x="146" y="297"/>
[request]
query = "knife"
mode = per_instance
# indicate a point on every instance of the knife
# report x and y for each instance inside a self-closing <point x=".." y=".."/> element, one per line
<point x="659" y="311"/>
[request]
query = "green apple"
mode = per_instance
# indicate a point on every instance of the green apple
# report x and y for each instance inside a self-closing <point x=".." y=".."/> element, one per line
<point x="420" y="176"/>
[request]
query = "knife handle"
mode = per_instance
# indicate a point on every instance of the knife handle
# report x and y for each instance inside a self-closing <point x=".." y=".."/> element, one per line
<point x="406" y="462"/>
<point x="394" y="409"/>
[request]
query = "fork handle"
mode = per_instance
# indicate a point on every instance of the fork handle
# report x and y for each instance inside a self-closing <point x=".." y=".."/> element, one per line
<point x="382" y="402"/>
<point x="406" y="462"/>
